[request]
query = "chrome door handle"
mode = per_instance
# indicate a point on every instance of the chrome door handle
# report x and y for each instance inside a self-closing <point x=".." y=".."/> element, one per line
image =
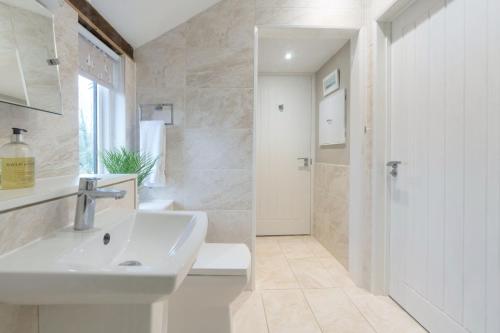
<point x="394" y="167"/>
<point x="306" y="161"/>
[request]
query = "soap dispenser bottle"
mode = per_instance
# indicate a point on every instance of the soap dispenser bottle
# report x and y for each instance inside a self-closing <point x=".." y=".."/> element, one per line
<point x="17" y="163"/>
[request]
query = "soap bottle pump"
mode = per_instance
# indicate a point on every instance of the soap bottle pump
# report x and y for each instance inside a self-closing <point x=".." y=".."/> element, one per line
<point x="17" y="163"/>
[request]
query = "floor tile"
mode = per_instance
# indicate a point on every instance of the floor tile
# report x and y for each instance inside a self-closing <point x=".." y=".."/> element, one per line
<point x="316" y="248"/>
<point x="310" y="273"/>
<point x="267" y="247"/>
<point x="383" y="313"/>
<point x="335" y="312"/>
<point x="274" y="273"/>
<point x="248" y="314"/>
<point x="340" y="275"/>
<point x="287" y="311"/>
<point x="295" y="247"/>
<point x="303" y="289"/>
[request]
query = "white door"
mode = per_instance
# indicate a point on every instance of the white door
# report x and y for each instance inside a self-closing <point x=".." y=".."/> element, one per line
<point x="283" y="155"/>
<point x="445" y="114"/>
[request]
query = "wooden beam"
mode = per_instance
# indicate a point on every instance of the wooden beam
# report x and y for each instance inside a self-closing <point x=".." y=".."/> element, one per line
<point x="90" y="18"/>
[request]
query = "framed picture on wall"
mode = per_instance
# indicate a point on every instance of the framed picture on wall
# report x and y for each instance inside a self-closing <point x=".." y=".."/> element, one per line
<point x="331" y="82"/>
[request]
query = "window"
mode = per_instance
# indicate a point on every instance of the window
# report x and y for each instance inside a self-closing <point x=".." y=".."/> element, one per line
<point x="100" y="102"/>
<point x="87" y="113"/>
<point x="93" y="100"/>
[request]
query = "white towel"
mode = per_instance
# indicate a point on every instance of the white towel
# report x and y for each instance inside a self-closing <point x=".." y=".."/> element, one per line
<point x="154" y="143"/>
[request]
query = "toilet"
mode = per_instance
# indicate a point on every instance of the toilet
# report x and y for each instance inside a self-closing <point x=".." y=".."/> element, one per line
<point x="202" y="302"/>
<point x="218" y="276"/>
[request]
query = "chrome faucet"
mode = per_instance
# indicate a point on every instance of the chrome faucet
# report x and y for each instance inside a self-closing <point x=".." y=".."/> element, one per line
<point x="86" y="200"/>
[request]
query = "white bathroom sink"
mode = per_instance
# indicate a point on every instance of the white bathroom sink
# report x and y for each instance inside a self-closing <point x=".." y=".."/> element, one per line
<point x="147" y="257"/>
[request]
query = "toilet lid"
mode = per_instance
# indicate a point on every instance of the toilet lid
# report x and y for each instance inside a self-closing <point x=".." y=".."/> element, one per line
<point x="222" y="259"/>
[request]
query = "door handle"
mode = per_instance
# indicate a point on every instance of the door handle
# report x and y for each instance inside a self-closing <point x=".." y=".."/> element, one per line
<point x="306" y="161"/>
<point x="394" y="167"/>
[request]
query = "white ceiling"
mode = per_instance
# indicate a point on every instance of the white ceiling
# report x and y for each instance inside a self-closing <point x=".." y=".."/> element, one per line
<point x="139" y="21"/>
<point x="310" y="48"/>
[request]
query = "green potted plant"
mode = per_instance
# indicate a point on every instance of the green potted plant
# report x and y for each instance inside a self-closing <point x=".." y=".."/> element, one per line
<point x="124" y="161"/>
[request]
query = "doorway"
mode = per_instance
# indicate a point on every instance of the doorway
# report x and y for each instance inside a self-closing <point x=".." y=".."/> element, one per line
<point x="286" y="121"/>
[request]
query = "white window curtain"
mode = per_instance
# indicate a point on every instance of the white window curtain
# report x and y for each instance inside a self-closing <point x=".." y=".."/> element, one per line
<point x="95" y="63"/>
<point x="107" y="71"/>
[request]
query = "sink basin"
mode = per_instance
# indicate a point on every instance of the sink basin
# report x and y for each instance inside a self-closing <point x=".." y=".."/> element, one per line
<point x="130" y="257"/>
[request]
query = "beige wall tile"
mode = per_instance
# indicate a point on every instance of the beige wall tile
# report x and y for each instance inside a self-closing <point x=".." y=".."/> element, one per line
<point x="219" y="108"/>
<point x="218" y="149"/>
<point x="175" y="149"/>
<point x="20" y="227"/>
<point x="342" y="18"/>
<point x="205" y="67"/>
<point x="56" y="151"/>
<point x="219" y="67"/>
<point x="232" y="226"/>
<point x="218" y="189"/>
<point x="161" y="65"/>
<point x="331" y="205"/>
<point x="228" y="24"/>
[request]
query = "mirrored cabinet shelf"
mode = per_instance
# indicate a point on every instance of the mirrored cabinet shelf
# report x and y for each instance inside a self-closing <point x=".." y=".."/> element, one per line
<point x="28" y="57"/>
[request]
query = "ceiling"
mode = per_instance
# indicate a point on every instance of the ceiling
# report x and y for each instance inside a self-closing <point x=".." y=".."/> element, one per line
<point x="141" y="21"/>
<point x="309" y="49"/>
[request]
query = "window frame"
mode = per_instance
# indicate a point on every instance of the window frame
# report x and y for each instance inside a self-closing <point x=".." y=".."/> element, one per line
<point x="102" y="127"/>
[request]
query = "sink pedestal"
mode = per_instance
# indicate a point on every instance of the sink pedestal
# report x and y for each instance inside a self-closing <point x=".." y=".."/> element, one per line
<point x="140" y="318"/>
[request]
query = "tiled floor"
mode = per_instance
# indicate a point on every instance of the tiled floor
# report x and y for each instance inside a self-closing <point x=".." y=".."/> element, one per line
<point x="301" y="288"/>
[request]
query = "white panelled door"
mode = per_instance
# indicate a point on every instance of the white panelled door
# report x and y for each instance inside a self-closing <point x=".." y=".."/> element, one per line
<point x="445" y="199"/>
<point x="283" y="155"/>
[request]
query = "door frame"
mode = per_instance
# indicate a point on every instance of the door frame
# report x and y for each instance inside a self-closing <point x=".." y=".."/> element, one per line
<point x="381" y="256"/>
<point x="312" y="134"/>
<point x="357" y="234"/>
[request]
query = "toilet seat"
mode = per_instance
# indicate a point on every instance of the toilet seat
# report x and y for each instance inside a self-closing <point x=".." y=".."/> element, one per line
<point x="222" y="260"/>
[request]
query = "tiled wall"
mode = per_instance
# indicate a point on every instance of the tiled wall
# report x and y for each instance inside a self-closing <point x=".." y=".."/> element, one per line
<point x="18" y="228"/>
<point x="205" y="67"/>
<point x="331" y="13"/>
<point x="331" y="209"/>
<point x="54" y="138"/>
<point x="331" y="171"/>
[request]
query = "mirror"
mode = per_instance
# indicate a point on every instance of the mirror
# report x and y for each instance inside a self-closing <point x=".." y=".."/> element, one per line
<point x="28" y="58"/>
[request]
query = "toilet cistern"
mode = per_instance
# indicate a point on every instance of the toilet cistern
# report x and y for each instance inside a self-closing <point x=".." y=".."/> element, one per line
<point x="87" y="195"/>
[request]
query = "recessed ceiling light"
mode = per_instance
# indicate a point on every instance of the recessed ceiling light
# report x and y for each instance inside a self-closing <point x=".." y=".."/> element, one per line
<point x="288" y="56"/>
